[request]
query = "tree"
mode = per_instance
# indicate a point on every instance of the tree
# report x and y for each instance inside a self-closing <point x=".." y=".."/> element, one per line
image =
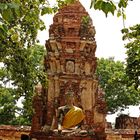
<point x="109" y="6"/>
<point x="113" y="80"/>
<point x="23" y="77"/>
<point x="19" y="24"/>
<point x="7" y="105"/>
<point x="132" y="34"/>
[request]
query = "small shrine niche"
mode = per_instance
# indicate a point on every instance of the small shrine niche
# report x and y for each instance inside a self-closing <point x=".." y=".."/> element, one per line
<point x="70" y="63"/>
<point x="70" y="66"/>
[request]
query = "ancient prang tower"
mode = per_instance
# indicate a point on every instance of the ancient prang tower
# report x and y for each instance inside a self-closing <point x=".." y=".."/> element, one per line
<point x="70" y="63"/>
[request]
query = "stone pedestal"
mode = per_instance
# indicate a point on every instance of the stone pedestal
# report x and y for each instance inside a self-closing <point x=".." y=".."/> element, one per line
<point x="54" y="136"/>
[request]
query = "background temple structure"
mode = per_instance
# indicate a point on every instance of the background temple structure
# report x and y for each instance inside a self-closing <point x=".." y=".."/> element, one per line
<point x="70" y="63"/>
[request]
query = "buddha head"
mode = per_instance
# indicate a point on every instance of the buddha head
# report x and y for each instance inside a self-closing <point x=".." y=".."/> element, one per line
<point x="69" y="98"/>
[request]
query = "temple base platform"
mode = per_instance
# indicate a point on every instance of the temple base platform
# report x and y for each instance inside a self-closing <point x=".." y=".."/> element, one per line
<point x="66" y="135"/>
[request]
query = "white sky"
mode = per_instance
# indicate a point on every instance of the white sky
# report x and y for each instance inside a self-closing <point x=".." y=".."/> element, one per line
<point x="108" y="35"/>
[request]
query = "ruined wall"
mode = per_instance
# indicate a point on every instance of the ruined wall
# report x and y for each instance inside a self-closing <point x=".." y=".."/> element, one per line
<point x="127" y="122"/>
<point x="121" y="134"/>
<point x="13" y="132"/>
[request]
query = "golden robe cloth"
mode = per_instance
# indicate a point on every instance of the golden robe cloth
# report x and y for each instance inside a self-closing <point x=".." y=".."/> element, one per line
<point x="73" y="117"/>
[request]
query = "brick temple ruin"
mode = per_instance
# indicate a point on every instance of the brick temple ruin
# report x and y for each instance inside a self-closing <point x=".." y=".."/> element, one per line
<point x="70" y="63"/>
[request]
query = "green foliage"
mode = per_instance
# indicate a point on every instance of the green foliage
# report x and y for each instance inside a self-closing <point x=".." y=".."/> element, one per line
<point x="123" y="3"/>
<point x="85" y="20"/>
<point x="109" y="6"/>
<point x="7" y="105"/>
<point x="46" y="10"/>
<point x="62" y="3"/>
<point x="113" y="80"/>
<point x="24" y="70"/>
<point x="105" y="6"/>
<point x="132" y="34"/>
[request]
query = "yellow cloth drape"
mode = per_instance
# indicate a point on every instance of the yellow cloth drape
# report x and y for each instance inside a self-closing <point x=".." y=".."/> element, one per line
<point x="73" y="117"/>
